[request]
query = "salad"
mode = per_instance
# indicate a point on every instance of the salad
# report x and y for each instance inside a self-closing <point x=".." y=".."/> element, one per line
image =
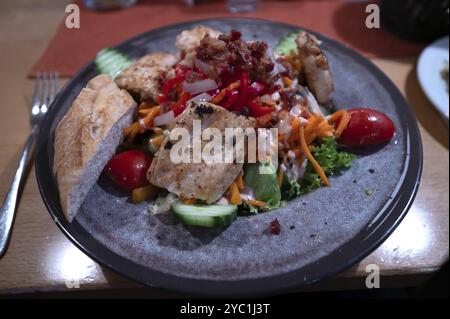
<point x="225" y="80"/>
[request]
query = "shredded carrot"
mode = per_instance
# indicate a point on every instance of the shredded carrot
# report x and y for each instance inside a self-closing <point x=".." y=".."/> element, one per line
<point x="131" y="131"/>
<point x="310" y="138"/>
<point x="280" y="176"/>
<point x="148" y="119"/>
<point x="146" y="110"/>
<point x="287" y="81"/>
<point x="157" y="141"/>
<point x="255" y="202"/>
<point x="313" y="123"/>
<point x="342" y="124"/>
<point x="337" y="115"/>
<point x="311" y="158"/>
<point x="298" y="152"/>
<point x="235" y="196"/>
<point x="219" y="97"/>
<point x="189" y="201"/>
<point x="240" y="182"/>
<point x="143" y="105"/>
<point x="295" y="124"/>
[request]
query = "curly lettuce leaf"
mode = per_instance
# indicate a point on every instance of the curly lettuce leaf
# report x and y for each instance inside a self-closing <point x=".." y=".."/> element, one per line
<point x="290" y="188"/>
<point x="330" y="158"/>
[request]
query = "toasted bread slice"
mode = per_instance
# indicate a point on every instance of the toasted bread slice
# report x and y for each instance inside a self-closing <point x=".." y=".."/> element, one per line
<point x="87" y="137"/>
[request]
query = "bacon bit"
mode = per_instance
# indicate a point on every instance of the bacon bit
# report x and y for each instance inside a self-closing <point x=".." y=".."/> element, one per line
<point x="235" y="196"/>
<point x="274" y="227"/>
<point x="311" y="158"/>
<point x="240" y="182"/>
<point x="268" y="120"/>
<point x="188" y="201"/>
<point x="256" y="203"/>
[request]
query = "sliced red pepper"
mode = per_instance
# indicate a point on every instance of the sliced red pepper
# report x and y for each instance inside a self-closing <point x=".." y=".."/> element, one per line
<point x="243" y="92"/>
<point x="162" y="98"/>
<point x="257" y="110"/>
<point x="255" y="89"/>
<point x="180" y="105"/>
<point x="181" y="70"/>
<point x="213" y="93"/>
<point x="231" y="99"/>
<point x="170" y="84"/>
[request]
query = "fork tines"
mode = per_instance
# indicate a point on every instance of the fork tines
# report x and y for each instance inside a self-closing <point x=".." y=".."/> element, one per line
<point x="46" y="87"/>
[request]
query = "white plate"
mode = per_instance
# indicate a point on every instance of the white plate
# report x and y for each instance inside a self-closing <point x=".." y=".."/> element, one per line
<point x="431" y="62"/>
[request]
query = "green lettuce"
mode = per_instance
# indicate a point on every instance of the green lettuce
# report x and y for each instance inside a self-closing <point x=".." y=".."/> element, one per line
<point x="330" y="158"/>
<point x="262" y="179"/>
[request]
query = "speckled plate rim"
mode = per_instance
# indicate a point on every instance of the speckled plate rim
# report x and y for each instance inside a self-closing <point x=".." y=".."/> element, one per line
<point x="366" y="241"/>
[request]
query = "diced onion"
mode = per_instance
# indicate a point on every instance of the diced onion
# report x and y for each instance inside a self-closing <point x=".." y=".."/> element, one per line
<point x="203" y="66"/>
<point x="295" y="110"/>
<point x="284" y="126"/>
<point x="203" y="97"/>
<point x="276" y="96"/>
<point x="164" y="119"/>
<point x="200" y="86"/>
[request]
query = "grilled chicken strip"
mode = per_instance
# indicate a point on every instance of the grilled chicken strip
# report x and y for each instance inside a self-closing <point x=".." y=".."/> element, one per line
<point x="190" y="39"/>
<point x="315" y="67"/>
<point x="142" y="76"/>
<point x="205" y="181"/>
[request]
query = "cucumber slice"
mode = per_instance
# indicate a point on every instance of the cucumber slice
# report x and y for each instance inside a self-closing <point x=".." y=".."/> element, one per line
<point x="111" y="62"/>
<point x="287" y="44"/>
<point x="205" y="215"/>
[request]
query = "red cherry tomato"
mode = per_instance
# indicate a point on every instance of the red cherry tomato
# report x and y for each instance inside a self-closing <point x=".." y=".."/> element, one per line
<point x="128" y="169"/>
<point x="367" y="127"/>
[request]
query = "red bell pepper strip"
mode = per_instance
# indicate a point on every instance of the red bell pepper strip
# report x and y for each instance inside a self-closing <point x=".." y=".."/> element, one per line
<point x="231" y="99"/>
<point x="180" y="105"/>
<point x="170" y="84"/>
<point x="243" y="92"/>
<point x="213" y="93"/>
<point x="162" y="98"/>
<point x="255" y="89"/>
<point x="257" y="110"/>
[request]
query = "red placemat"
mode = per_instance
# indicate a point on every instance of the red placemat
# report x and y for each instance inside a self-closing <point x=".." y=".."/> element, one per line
<point x="344" y="21"/>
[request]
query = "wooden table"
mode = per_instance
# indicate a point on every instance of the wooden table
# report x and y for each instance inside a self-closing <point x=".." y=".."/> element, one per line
<point x="40" y="258"/>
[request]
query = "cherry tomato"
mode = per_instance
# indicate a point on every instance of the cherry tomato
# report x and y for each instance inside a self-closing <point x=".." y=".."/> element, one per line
<point x="128" y="169"/>
<point x="367" y="127"/>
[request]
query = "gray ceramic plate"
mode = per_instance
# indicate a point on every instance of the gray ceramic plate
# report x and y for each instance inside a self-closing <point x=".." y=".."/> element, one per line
<point x="322" y="233"/>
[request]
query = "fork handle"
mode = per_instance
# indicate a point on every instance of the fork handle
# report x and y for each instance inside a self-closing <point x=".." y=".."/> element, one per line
<point x="10" y="202"/>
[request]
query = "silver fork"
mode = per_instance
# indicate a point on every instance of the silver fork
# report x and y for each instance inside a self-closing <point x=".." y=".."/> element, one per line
<point x="46" y="86"/>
